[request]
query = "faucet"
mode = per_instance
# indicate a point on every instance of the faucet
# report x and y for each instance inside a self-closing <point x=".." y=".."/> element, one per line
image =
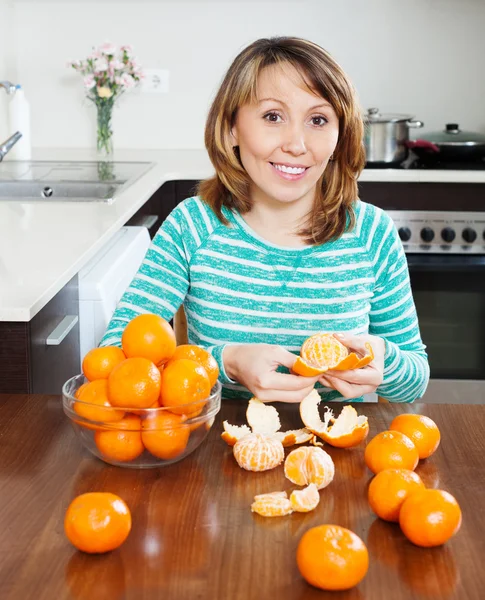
<point x="8" y="85"/>
<point x="9" y="144"/>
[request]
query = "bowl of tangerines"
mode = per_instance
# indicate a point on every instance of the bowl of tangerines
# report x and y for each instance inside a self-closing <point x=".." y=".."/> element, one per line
<point x="147" y="404"/>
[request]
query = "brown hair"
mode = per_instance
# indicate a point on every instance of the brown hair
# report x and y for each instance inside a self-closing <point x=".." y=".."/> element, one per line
<point x="337" y="191"/>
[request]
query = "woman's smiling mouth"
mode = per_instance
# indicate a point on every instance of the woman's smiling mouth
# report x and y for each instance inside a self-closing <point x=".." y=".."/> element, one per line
<point x="289" y="172"/>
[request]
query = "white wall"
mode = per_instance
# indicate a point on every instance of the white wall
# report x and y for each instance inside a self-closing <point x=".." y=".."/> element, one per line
<point x="423" y="57"/>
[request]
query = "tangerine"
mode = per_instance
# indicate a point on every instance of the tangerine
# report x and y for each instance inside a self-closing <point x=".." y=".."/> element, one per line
<point x="97" y="522"/>
<point x="99" y="362"/>
<point x="134" y="383"/>
<point x="389" y="489"/>
<point x="421" y="430"/>
<point x="323" y="350"/>
<point x="258" y="452"/>
<point x="200" y="356"/>
<point x="184" y="381"/>
<point x="391" y="450"/>
<point x="305" y="500"/>
<point x="331" y="557"/>
<point x="165" y="435"/>
<point x="430" y="517"/>
<point x="123" y="443"/>
<point x="309" y="464"/>
<point x="94" y="404"/>
<point x="149" y="336"/>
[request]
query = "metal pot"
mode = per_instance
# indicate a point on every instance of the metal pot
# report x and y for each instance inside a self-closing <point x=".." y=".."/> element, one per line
<point x="450" y="145"/>
<point x="386" y="137"/>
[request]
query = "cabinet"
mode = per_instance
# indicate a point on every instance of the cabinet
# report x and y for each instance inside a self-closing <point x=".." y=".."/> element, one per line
<point x="39" y="356"/>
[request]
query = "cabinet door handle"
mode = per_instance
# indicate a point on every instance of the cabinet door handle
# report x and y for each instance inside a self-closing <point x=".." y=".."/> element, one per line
<point x="60" y="332"/>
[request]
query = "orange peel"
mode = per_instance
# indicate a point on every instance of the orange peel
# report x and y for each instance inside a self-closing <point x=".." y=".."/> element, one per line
<point x="233" y="433"/>
<point x="346" y="431"/>
<point x="323" y="352"/>
<point x="305" y="500"/>
<point x="294" y="437"/>
<point x="262" y="418"/>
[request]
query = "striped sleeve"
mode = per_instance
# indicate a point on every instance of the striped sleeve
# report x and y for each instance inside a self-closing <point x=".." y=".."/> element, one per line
<point x="393" y="317"/>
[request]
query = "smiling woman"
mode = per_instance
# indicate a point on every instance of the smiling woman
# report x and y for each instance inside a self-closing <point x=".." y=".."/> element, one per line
<point x="277" y="246"/>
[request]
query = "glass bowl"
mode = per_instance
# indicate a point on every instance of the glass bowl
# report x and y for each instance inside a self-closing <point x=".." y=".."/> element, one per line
<point x="141" y="437"/>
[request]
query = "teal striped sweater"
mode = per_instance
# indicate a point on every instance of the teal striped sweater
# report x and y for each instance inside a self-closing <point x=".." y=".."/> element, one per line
<point x="237" y="288"/>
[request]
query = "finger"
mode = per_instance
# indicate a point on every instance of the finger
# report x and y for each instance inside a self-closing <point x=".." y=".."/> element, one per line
<point x="354" y="342"/>
<point x="366" y="376"/>
<point x="289" y="396"/>
<point x="349" y="390"/>
<point x="284" y="357"/>
<point x="325" y="382"/>
<point x="288" y="382"/>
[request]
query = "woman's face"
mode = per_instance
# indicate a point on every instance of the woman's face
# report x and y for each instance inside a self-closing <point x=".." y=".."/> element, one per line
<point x="286" y="139"/>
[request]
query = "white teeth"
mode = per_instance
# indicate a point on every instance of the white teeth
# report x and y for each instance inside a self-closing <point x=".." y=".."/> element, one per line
<point x="292" y="170"/>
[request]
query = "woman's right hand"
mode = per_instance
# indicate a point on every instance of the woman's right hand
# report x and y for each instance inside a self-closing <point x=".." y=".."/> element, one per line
<point x="254" y="366"/>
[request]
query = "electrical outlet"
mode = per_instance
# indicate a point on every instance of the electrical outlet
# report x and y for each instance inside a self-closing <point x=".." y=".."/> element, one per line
<point x="156" y="81"/>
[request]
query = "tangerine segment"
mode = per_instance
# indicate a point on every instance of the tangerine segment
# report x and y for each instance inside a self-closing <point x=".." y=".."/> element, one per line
<point x="200" y="356"/>
<point x="421" y="430"/>
<point x="122" y="444"/>
<point x="274" y="504"/>
<point x="94" y="404"/>
<point x="99" y="362"/>
<point x="233" y="433"/>
<point x="97" y="522"/>
<point x="389" y="489"/>
<point x="257" y="452"/>
<point x="346" y="431"/>
<point x="309" y="464"/>
<point x="164" y="435"/>
<point x="149" y="336"/>
<point x="430" y="517"/>
<point x="302" y="367"/>
<point x="391" y="450"/>
<point x="134" y="383"/>
<point x="262" y="418"/>
<point x="305" y="500"/>
<point x="330" y="557"/>
<point x="323" y="350"/>
<point x="184" y="381"/>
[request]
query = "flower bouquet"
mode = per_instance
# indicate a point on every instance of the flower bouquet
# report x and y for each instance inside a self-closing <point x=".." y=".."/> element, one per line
<point x="108" y="73"/>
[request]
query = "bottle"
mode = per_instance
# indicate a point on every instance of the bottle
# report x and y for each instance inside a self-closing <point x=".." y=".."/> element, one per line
<point x="19" y="120"/>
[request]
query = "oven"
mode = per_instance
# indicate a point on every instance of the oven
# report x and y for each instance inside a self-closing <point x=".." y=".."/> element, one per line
<point x="442" y="227"/>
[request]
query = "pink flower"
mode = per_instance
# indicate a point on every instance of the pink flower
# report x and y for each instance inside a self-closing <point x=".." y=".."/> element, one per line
<point x="101" y="64"/>
<point x="89" y="82"/>
<point x="127" y="48"/>
<point x="107" y="48"/>
<point x="127" y="81"/>
<point x="116" y="64"/>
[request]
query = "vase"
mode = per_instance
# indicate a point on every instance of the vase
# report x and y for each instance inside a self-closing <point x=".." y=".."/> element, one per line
<point x="105" y="133"/>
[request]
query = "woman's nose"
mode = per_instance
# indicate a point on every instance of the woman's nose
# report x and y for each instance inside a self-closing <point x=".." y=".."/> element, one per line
<point x="294" y="141"/>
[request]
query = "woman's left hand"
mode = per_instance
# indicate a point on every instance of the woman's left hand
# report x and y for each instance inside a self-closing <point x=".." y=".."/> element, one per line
<point x="356" y="382"/>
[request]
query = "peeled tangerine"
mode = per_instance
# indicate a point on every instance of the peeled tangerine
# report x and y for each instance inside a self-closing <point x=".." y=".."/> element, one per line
<point x="277" y="504"/>
<point x="322" y="352"/>
<point x="258" y="452"/>
<point x="309" y="464"/>
<point x="264" y="419"/>
<point x="347" y="430"/>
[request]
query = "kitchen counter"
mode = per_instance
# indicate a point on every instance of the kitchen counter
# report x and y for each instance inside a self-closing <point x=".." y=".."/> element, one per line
<point x="44" y="244"/>
<point x="193" y="533"/>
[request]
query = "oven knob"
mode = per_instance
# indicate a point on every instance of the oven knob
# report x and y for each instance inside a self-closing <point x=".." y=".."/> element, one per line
<point x="469" y="235"/>
<point x="427" y="234"/>
<point x="404" y="233"/>
<point x="448" y="234"/>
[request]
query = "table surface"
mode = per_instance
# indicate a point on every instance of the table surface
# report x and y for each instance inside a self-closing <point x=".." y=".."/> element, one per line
<point x="194" y="536"/>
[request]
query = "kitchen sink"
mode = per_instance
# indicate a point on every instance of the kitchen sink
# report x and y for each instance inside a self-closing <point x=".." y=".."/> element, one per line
<point x="71" y="181"/>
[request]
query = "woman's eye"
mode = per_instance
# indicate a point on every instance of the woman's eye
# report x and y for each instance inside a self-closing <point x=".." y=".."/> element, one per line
<point x="319" y="121"/>
<point x="272" y="117"/>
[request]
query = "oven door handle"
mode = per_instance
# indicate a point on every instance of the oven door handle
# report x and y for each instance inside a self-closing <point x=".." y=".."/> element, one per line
<point x="446" y="262"/>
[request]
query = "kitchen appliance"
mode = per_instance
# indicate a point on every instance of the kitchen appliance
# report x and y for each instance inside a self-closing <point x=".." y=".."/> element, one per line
<point x="104" y="279"/>
<point x="442" y="228"/>
<point x="386" y="137"/>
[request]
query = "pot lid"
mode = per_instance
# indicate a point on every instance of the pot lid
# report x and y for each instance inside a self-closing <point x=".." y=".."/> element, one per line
<point x="452" y="134"/>
<point x="375" y="116"/>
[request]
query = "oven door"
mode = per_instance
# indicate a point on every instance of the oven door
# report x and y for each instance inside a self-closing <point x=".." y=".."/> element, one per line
<point x="449" y="292"/>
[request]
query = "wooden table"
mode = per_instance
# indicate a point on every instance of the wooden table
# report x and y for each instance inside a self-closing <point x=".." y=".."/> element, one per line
<point x="194" y="536"/>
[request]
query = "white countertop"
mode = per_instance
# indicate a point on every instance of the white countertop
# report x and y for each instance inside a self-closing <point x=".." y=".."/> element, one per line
<point x="44" y="244"/>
